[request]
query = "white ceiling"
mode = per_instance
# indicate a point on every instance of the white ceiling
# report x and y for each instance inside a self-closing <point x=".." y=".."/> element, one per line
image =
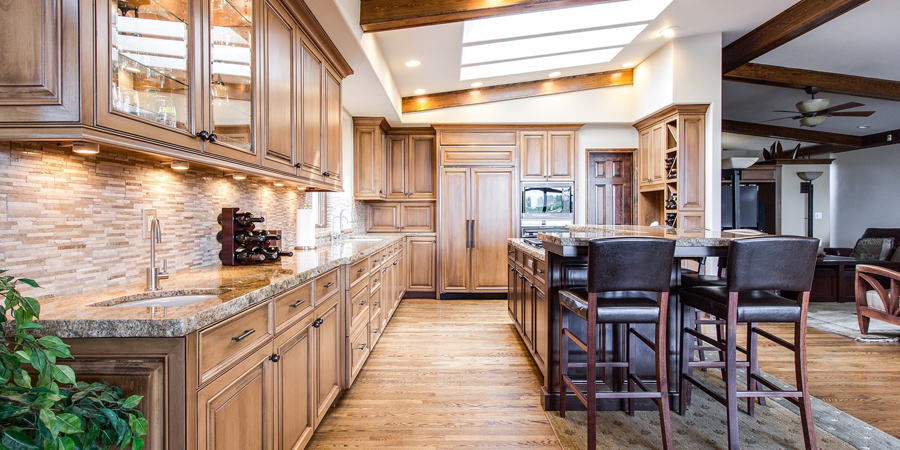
<point x="439" y="47"/>
<point x="862" y="42"/>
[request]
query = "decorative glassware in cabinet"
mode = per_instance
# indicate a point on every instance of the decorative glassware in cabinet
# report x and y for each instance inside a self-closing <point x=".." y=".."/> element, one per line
<point x="231" y="71"/>
<point x="149" y="60"/>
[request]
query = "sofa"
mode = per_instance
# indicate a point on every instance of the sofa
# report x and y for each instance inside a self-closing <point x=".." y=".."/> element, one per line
<point x="835" y="275"/>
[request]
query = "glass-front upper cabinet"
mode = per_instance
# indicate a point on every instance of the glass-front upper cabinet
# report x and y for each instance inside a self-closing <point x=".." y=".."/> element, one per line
<point x="230" y="77"/>
<point x="149" y="69"/>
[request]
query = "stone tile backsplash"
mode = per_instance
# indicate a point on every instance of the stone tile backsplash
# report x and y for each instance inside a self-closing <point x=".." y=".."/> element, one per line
<point x="73" y="222"/>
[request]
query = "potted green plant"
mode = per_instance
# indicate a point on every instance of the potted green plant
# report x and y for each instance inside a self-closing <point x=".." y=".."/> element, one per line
<point x="42" y="405"/>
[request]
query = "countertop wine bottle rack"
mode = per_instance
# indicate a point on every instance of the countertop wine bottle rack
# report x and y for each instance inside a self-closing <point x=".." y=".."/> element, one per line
<point x="243" y="244"/>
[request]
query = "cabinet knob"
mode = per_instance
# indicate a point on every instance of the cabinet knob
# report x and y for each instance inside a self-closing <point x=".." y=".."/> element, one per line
<point x="362" y="347"/>
<point x="203" y="135"/>
<point x="274" y="358"/>
<point x="298" y="165"/>
<point x="212" y="137"/>
<point x="317" y="323"/>
<point x="326" y="174"/>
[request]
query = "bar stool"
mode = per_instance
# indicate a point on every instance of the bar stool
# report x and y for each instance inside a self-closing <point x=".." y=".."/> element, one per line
<point x="761" y="271"/>
<point x="627" y="283"/>
<point x="696" y="279"/>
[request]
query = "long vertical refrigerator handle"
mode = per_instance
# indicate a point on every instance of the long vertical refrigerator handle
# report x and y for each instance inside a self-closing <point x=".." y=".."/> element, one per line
<point x="473" y="233"/>
<point x="468" y="233"/>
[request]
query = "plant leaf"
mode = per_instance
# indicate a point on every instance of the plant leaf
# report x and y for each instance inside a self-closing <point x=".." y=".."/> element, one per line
<point x="69" y="423"/>
<point x="29" y="282"/>
<point x="66" y="443"/>
<point x="32" y="306"/>
<point x="64" y="374"/>
<point x="138" y="425"/>
<point x="138" y="444"/>
<point x="132" y="401"/>
<point x="14" y="440"/>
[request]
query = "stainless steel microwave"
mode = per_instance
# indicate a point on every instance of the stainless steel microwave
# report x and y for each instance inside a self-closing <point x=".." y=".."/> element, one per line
<point x="548" y="200"/>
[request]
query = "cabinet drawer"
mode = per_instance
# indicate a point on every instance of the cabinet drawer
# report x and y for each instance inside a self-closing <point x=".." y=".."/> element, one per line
<point x="293" y="304"/>
<point x="226" y="343"/>
<point x="520" y="258"/>
<point x="478" y="137"/>
<point x="478" y="156"/>
<point x="375" y="262"/>
<point x="326" y="285"/>
<point x="358" y="271"/>
<point x="359" y="350"/>
<point x="375" y="280"/>
<point x="374" y="331"/>
<point x="540" y="270"/>
<point x="359" y="308"/>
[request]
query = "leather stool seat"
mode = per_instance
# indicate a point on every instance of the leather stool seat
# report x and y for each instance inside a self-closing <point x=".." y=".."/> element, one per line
<point x="613" y="307"/>
<point x="753" y="306"/>
<point x="696" y="279"/>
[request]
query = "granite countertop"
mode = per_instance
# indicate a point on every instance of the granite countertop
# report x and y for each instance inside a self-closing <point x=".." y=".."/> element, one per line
<point x="579" y="235"/>
<point x="537" y="253"/>
<point x="235" y="289"/>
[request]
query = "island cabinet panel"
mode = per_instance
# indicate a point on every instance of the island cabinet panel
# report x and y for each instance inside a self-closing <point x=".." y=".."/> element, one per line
<point x="422" y="259"/>
<point x="279" y="38"/>
<point x="39" y="76"/>
<point x="294" y="376"/>
<point x="151" y="367"/>
<point x="236" y="411"/>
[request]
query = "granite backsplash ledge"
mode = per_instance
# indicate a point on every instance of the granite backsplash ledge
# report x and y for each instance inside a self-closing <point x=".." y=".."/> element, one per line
<point x="73" y="222"/>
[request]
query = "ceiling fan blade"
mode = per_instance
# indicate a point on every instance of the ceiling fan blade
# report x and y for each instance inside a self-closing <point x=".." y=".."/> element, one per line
<point x="780" y="118"/>
<point x="842" y="107"/>
<point x="852" y="114"/>
<point x="789" y="112"/>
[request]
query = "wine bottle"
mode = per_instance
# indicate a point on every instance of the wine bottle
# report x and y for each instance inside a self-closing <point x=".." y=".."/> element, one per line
<point x="247" y="219"/>
<point x="274" y="253"/>
<point x="245" y="256"/>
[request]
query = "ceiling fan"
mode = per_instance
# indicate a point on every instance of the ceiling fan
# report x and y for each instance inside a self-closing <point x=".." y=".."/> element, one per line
<point x="815" y="110"/>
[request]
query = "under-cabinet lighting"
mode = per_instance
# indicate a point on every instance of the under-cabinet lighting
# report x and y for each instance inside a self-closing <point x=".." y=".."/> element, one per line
<point x="550" y="45"/>
<point x="278" y="184"/>
<point x="180" y="165"/>
<point x="668" y="32"/>
<point x="85" y="148"/>
<point x="413" y="63"/>
<point x="538" y="64"/>
<point x="602" y="15"/>
<point x="239" y="176"/>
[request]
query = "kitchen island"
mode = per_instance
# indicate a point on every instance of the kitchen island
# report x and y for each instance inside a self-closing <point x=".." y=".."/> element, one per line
<point x="565" y="263"/>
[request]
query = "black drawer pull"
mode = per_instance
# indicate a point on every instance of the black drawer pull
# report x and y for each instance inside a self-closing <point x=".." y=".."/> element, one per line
<point x="375" y="332"/>
<point x="298" y="303"/>
<point x="328" y="285"/>
<point x="246" y="333"/>
<point x="317" y="323"/>
<point x="361" y="270"/>
<point x="376" y="303"/>
<point x="375" y="260"/>
<point x="363" y="347"/>
<point x="519" y="275"/>
<point x="376" y="280"/>
<point x="395" y="263"/>
<point x="362" y="303"/>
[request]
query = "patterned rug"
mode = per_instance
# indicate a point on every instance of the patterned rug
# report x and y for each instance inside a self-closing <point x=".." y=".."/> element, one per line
<point x="775" y="426"/>
<point x="840" y="319"/>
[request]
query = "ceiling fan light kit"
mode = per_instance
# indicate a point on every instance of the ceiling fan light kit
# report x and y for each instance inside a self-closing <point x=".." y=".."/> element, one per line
<point x="815" y="110"/>
<point x="811" y="121"/>
<point x="813" y="105"/>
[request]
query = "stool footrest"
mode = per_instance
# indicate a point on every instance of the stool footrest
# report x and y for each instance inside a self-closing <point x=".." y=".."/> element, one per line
<point x="643" y="338"/>
<point x="577" y="340"/>
<point x="779" y="394"/>
<point x="716" y="364"/>
<point x="773" y="338"/>
<point x="715" y="395"/>
<point x="713" y="342"/>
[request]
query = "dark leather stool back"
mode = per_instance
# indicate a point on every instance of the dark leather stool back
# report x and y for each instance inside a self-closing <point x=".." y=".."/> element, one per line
<point x="630" y="264"/>
<point x="785" y="263"/>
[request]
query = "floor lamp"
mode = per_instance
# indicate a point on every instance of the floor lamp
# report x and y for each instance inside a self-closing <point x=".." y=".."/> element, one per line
<point x="806" y="187"/>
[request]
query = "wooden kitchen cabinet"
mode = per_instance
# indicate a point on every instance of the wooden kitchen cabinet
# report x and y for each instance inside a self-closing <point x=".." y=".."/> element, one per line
<point x="294" y="380"/>
<point x="327" y="341"/>
<point x="254" y="83"/>
<point x="393" y="217"/>
<point x="236" y="410"/>
<point x="547" y="156"/>
<point x="369" y="158"/>
<point x="410" y="167"/>
<point x="421" y="258"/>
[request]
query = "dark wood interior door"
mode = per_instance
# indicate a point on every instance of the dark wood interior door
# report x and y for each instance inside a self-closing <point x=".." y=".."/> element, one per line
<point x="610" y="188"/>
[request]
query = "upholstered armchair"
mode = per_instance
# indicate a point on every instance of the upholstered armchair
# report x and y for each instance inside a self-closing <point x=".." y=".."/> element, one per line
<point x="873" y="299"/>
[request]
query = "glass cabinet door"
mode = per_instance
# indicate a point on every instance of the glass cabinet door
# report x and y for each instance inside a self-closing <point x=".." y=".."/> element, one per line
<point x="230" y="69"/>
<point x="149" y="64"/>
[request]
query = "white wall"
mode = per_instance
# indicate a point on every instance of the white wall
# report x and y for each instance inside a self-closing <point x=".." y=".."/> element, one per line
<point x="865" y="193"/>
<point x="792" y="204"/>
<point x="597" y="136"/>
<point x="653" y="82"/>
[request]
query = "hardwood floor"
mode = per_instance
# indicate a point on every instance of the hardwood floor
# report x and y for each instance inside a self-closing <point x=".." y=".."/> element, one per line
<point x="861" y="379"/>
<point x="445" y="375"/>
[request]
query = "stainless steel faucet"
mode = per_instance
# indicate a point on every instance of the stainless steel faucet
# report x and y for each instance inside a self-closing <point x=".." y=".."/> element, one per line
<point x="339" y="218"/>
<point x="153" y="272"/>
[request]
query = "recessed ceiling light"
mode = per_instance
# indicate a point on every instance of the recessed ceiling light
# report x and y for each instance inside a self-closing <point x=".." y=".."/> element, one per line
<point x="85" y="148"/>
<point x="668" y="32"/>
<point x="413" y="63"/>
<point x="550" y="45"/>
<point x="419" y="91"/>
<point x="561" y="20"/>
<point x="629" y="64"/>
<point x="863" y="127"/>
<point x="477" y="84"/>
<point x="554" y="74"/>
<point x="180" y="165"/>
<point x="538" y="64"/>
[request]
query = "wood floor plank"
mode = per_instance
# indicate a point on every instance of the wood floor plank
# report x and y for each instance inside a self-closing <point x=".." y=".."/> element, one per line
<point x="444" y="375"/>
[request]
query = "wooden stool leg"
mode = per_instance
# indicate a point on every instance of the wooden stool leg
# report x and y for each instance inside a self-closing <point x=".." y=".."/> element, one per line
<point x="753" y="359"/>
<point x="563" y="359"/>
<point x="720" y="335"/>
<point x="687" y="354"/>
<point x="701" y="355"/>
<point x="806" y="417"/>
<point x="662" y="374"/>
<point x="731" y="398"/>
<point x="630" y="354"/>
<point x="592" y="336"/>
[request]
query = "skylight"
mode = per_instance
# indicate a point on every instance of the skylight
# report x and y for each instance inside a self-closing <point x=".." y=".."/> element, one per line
<point x="563" y="20"/>
<point x="538" y="64"/>
<point x="548" y="45"/>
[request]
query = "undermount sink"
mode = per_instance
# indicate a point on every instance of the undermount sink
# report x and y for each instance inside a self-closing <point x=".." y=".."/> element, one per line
<point x="165" y="299"/>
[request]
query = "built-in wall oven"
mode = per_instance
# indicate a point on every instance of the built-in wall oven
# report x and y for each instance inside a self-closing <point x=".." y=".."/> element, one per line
<point x="546" y="207"/>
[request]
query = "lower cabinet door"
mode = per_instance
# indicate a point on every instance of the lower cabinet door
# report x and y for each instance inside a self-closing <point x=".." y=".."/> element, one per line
<point x="327" y="345"/>
<point x="511" y="295"/>
<point x="359" y="351"/>
<point x="541" y="326"/>
<point x="235" y="411"/>
<point x="295" y="419"/>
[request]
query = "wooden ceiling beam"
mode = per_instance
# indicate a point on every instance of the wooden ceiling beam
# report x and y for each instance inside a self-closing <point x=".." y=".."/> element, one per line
<point x="518" y="90"/>
<point x="794" y="134"/>
<point x="880" y="139"/>
<point x="795" y="21"/>
<point x="829" y="82"/>
<point x="384" y="15"/>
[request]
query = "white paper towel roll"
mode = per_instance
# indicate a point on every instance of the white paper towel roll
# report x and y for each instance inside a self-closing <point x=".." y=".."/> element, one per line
<point x="306" y="229"/>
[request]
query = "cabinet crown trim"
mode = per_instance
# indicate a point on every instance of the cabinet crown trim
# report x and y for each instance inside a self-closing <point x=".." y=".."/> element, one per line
<point x="669" y="111"/>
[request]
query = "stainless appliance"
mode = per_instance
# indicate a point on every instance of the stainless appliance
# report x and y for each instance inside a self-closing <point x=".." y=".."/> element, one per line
<point x="531" y="227"/>
<point x="548" y="201"/>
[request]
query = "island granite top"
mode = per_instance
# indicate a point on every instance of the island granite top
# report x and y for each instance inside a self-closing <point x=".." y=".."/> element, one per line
<point x="580" y="235"/>
<point x="537" y="253"/>
<point x="236" y="289"/>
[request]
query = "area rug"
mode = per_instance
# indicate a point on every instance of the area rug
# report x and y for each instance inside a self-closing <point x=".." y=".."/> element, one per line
<point x="774" y="426"/>
<point x="840" y="319"/>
